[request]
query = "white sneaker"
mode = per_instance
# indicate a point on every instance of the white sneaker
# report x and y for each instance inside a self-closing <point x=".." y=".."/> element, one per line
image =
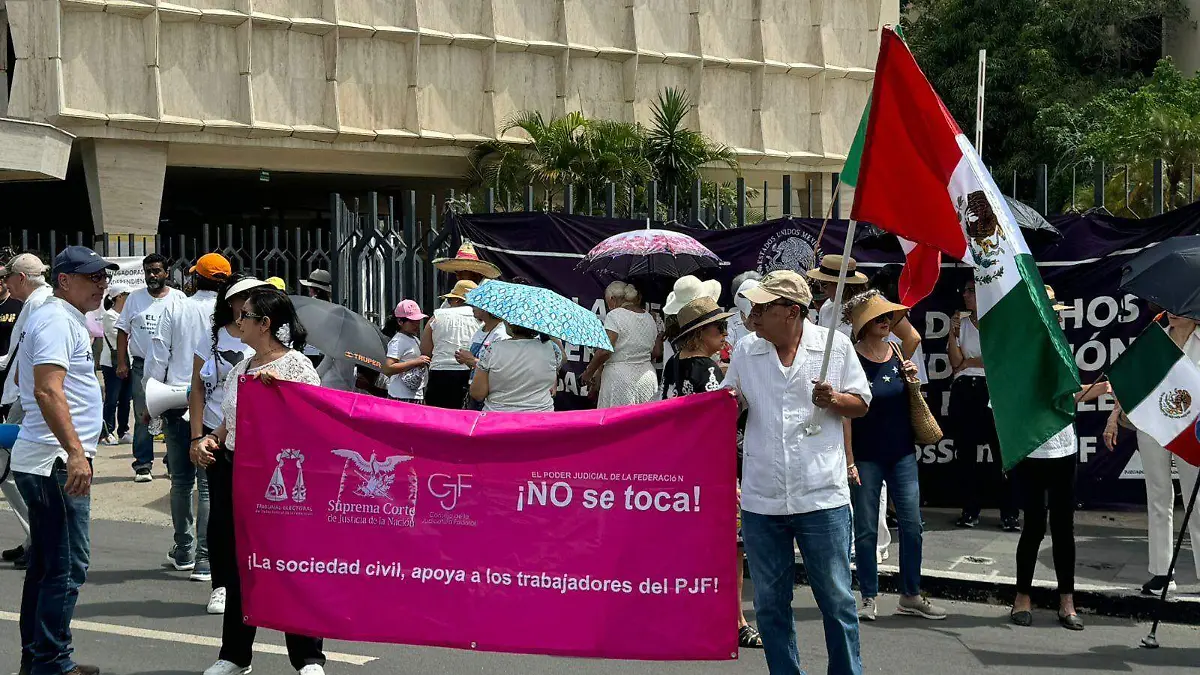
<point x="312" y="669"/>
<point x="216" y="603"/>
<point x="867" y="611"/>
<point x="223" y="667"/>
<point x="128" y="437"/>
<point x="110" y="439"/>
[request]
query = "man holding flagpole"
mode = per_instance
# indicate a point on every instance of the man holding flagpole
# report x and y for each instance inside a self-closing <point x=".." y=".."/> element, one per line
<point x="795" y="487"/>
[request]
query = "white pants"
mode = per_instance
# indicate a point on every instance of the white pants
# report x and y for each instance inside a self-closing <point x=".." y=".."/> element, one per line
<point x="1160" y="503"/>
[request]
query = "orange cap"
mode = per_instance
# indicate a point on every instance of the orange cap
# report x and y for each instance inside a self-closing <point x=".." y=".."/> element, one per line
<point x="212" y="266"/>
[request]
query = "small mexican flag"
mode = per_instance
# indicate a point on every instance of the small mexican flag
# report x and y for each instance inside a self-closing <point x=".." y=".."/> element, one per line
<point x="921" y="180"/>
<point x="1159" y="390"/>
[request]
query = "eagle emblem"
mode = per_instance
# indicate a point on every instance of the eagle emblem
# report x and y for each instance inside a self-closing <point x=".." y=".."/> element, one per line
<point x="1175" y="403"/>
<point x="984" y="232"/>
<point x="375" y="476"/>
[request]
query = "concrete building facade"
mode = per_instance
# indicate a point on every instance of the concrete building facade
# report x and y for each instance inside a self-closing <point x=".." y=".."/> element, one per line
<point x="406" y="88"/>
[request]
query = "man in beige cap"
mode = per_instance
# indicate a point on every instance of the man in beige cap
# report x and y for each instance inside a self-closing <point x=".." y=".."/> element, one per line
<point x="826" y="275"/>
<point x="794" y="480"/>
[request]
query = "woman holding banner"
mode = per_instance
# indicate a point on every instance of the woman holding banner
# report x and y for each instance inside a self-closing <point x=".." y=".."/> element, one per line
<point x="268" y="325"/>
<point x="703" y="329"/>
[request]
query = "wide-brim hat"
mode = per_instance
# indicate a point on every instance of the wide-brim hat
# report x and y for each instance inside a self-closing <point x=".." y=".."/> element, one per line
<point x="319" y="279"/>
<point x="1054" y="303"/>
<point x="831" y="266"/>
<point x="865" y="308"/>
<point x="467" y="260"/>
<point x="246" y="285"/>
<point x="460" y="290"/>
<point x="699" y="313"/>
<point x="690" y="288"/>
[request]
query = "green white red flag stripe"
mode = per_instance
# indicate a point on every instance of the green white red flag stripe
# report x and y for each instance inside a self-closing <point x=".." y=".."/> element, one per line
<point x="921" y="180"/>
<point x="1159" y="390"/>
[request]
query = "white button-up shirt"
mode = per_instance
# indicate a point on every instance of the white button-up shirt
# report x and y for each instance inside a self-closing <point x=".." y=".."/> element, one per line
<point x="786" y="471"/>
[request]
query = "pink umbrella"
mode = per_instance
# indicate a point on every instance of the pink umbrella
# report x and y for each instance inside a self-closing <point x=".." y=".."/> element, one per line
<point x="648" y="253"/>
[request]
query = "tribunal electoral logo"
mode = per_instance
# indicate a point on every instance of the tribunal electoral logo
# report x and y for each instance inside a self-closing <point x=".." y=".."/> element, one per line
<point x="788" y="249"/>
<point x="284" y="497"/>
<point x="370" y="493"/>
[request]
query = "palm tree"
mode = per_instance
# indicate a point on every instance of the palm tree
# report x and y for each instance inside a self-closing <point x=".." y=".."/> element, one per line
<point x="677" y="152"/>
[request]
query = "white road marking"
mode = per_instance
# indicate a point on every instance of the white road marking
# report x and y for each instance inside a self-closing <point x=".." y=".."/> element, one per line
<point x="202" y="640"/>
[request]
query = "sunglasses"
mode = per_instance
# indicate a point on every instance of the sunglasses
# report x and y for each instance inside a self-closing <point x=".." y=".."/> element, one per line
<point x="886" y="317"/>
<point x="759" y="309"/>
<point x="250" y="315"/>
<point x="101" y="277"/>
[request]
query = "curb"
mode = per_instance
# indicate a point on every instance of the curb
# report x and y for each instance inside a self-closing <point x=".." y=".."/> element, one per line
<point x="1112" y="601"/>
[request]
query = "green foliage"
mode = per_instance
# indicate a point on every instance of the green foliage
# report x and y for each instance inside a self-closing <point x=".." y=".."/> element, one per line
<point x="591" y="154"/>
<point x="1040" y="55"/>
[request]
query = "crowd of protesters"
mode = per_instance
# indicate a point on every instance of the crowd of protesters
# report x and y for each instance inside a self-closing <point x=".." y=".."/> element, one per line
<point x="819" y="461"/>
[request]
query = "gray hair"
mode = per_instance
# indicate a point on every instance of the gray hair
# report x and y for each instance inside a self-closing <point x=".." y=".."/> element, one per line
<point x="744" y="276"/>
<point x="36" y="280"/>
<point x="623" y="292"/>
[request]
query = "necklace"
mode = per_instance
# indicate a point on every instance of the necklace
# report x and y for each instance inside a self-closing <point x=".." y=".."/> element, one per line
<point x="263" y="358"/>
<point x="875" y="351"/>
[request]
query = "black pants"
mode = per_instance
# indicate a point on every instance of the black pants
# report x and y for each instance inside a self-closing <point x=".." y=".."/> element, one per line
<point x="237" y="639"/>
<point x="447" y="388"/>
<point x="1048" y="482"/>
<point x="972" y="424"/>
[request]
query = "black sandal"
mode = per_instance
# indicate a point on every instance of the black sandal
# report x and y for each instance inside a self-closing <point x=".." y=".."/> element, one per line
<point x="1022" y="618"/>
<point x="1071" y="621"/>
<point x="748" y="638"/>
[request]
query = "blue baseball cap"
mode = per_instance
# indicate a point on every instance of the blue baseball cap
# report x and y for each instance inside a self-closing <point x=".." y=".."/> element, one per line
<point x="80" y="260"/>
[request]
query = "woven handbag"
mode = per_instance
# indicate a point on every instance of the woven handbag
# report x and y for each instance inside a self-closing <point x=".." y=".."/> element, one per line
<point x="924" y="425"/>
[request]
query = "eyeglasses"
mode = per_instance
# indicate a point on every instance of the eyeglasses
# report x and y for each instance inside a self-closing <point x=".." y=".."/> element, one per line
<point x="886" y="317"/>
<point x="249" y="315"/>
<point x="101" y="277"/>
<point x="758" y="309"/>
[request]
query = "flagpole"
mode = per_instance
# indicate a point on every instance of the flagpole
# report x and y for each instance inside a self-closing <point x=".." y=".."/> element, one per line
<point x="981" y="85"/>
<point x="812" y="428"/>
<point x="1151" y="640"/>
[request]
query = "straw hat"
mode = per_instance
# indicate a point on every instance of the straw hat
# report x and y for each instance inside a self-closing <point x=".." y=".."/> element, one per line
<point x="690" y="288"/>
<point x="1054" y="303"/>
<point x="862" y="309"/>
<point x="467" y="260"/>
<point x="460" y="290"/>
<point x="831" y="265"/>
<point x="699" y="313"/>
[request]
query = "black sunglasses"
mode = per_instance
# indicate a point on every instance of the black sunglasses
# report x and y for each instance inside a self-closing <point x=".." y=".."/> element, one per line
<point x="886" y="317"/>
<point x="97" y="277"/>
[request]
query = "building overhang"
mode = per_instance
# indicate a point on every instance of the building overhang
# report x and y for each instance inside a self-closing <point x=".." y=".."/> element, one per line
<point x="33" y="151"/>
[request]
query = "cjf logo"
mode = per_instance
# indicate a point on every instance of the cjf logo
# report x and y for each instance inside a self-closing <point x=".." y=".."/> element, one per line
<point x="788" y="249"/>
<point x="448" y="488"/>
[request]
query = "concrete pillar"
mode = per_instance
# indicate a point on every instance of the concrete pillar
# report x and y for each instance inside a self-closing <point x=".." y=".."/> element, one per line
<point x="125" y="184"/>
<point x="1182" y="41"/>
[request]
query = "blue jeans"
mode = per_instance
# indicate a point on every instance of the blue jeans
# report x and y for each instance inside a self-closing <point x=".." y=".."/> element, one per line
<point x="58" y="563"/>
<point x="143" y="442"/>
<point x="118" y="395"/>
<point x="905" y="490"/>
<point x="824" y="540"/>
<point x="185" y="478"/>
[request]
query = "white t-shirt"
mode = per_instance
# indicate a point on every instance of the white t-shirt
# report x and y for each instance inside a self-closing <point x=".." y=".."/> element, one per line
<point x="180" y="327"/>
<point x="109" y="321"/>
<point x="825" y="320"/>
<point x="141" y="315"/>
<point x="452" y="330"/>
<point x="34" y="301"/>
<point x="230" y="351"/>
<point x="968" y="344"/>
<point x="403" y="347"/>
<point x="57" y="335"/>
<point x="521" y="375"/>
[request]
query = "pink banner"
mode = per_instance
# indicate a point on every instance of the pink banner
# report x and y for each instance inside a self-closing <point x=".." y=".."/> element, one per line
<point x="600" y="533"/>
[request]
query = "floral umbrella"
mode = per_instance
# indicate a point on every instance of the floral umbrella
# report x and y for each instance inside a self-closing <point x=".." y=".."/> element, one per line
<point x="542" y="310"/>
<point x="640" y="253"/>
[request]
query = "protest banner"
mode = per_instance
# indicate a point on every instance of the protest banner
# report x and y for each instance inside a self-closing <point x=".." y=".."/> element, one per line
<point x="129" y="272"/>
<point x="604" y="533"/>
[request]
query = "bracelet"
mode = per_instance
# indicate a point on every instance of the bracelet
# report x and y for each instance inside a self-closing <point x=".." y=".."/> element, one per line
<point x="852" y="466"/>
<point x="200" y="438"/>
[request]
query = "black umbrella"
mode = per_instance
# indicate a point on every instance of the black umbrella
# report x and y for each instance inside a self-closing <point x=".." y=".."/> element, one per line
<point x="1168" y="275"/>
<point x="340" y="333"/>
<point x="1029" y="219"/>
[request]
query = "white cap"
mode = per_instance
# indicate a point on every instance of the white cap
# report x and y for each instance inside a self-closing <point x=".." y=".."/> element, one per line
<point x="117" y="289"/>
<point x="743" y="304"/>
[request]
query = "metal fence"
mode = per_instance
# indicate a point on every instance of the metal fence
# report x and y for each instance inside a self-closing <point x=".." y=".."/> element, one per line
<point x="381" y="248"/>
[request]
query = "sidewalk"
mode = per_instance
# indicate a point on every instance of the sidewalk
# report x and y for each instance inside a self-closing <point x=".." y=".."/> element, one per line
<point x="979" y="565"/>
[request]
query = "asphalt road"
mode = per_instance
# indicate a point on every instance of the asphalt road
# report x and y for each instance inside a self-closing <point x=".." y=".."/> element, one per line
<point x="136" y="617"/>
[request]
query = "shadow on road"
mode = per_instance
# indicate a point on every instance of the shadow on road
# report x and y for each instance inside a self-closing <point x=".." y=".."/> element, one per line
<point x="147" y="609"/>
<point x="1116" y="658"/>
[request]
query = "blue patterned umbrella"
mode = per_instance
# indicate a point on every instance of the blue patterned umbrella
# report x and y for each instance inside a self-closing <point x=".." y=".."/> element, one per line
<point x="541" y="309"/>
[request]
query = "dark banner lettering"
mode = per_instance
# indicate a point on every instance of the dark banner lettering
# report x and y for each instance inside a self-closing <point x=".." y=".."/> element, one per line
<point x="1083" y="267"/>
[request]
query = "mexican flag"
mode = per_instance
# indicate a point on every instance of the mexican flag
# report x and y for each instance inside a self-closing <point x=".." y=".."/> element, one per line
<point x="1159" y="388"/>
<point x="921" y="180"/>
<point x="922" y="264"/>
